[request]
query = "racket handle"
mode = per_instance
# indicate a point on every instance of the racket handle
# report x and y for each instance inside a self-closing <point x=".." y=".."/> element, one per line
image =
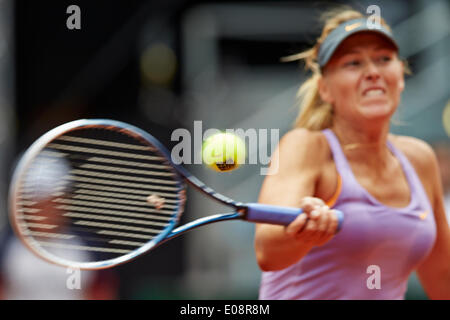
<point x="258" y="212"/>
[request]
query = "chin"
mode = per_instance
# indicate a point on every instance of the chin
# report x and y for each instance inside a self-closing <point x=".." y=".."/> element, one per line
<point x="377" y="111"/>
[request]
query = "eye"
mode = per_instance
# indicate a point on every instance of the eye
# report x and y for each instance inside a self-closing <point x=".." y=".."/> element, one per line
<point x="352" y="63"/>
<point x="384" y="59"/>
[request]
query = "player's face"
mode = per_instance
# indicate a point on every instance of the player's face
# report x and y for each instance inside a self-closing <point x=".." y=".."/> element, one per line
<point x="364" y="78"/>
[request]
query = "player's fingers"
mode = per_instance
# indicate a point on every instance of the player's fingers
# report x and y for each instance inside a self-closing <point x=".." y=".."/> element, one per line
<point x="297" y="225"/>
<point x="316" y="213"/>
<point x="310" y="205"/>
<point x="331" y="228"/>
<point x="323" y="221"/>
<point x="325" y="230"/>
<point x="307" y="236"/>
<point x="311" y="202"/>
<point x="316" y="228"/>
<point x="334" y="222"/>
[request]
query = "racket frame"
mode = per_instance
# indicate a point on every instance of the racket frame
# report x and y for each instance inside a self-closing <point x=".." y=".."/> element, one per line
<point x="53" y="134"/>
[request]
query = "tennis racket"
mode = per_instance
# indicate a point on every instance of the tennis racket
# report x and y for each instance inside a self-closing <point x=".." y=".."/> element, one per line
<point x="92" y="194"/>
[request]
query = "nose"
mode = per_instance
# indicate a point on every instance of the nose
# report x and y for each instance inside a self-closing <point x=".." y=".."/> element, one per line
<point x="371" y="71"/>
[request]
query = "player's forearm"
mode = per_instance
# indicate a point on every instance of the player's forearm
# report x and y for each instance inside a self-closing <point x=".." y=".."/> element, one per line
<point x="435" y="280"/>
<point x="441" y="287"/>
<point x="275" y="250"/>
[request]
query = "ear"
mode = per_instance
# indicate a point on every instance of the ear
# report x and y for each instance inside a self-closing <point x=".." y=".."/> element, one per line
<point x="324" y="90"/>
<point x="402" y="83"/>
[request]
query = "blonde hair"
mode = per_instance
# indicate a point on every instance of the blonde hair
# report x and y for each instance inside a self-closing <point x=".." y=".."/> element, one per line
<point x="316" y="114"/>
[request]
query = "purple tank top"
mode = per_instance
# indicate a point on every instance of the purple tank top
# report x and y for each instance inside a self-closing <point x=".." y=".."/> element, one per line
<point x="374" y="253"/>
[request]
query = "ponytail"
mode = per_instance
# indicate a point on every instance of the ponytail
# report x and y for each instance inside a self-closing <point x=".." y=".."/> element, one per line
<point x="315" y="114"/>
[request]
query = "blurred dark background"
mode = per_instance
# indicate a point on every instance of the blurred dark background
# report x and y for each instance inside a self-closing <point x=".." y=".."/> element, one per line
<point x="161" y="65"/>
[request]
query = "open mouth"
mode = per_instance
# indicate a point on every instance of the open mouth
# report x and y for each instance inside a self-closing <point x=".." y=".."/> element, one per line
<point x="374" y="92"/>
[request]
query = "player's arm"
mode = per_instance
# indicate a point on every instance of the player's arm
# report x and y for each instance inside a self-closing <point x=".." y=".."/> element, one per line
<point x="294" y="171"/>
<point x="434" y="272"/>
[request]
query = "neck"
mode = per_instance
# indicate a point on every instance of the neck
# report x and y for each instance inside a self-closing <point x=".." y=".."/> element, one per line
<point x="363" y="143"/>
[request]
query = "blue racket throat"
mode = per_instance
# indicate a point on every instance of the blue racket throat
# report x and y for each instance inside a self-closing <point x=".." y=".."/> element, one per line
<point x="202" y="222"/>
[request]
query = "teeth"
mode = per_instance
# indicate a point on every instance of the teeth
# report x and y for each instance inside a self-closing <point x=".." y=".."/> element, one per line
<point x="374" y="92"/>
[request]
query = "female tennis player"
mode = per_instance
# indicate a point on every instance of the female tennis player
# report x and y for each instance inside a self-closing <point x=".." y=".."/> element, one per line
<point x="342" y="156"/>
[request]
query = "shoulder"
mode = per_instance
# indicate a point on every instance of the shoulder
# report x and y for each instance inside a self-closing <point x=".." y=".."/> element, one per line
<point x="300" y="140"/>
<point x="419" y="153"/>
<point x="295" y="167"/>
<point x="423" y="158"/>
<point x="306" y="146"/>
<point x="299" y="150"/>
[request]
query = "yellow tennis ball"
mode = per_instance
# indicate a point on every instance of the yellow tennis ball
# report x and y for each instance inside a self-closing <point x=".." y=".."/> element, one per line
<point x="223" y="152"/>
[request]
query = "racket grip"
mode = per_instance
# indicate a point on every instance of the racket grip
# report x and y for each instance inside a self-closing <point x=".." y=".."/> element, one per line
<point x="262" y="213"/>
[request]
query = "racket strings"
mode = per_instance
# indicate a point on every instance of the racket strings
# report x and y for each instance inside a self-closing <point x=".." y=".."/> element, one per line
<point x="110" y="194"/>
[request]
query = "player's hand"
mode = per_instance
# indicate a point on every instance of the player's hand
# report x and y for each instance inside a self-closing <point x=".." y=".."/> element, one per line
<point x="316" y="225"/>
